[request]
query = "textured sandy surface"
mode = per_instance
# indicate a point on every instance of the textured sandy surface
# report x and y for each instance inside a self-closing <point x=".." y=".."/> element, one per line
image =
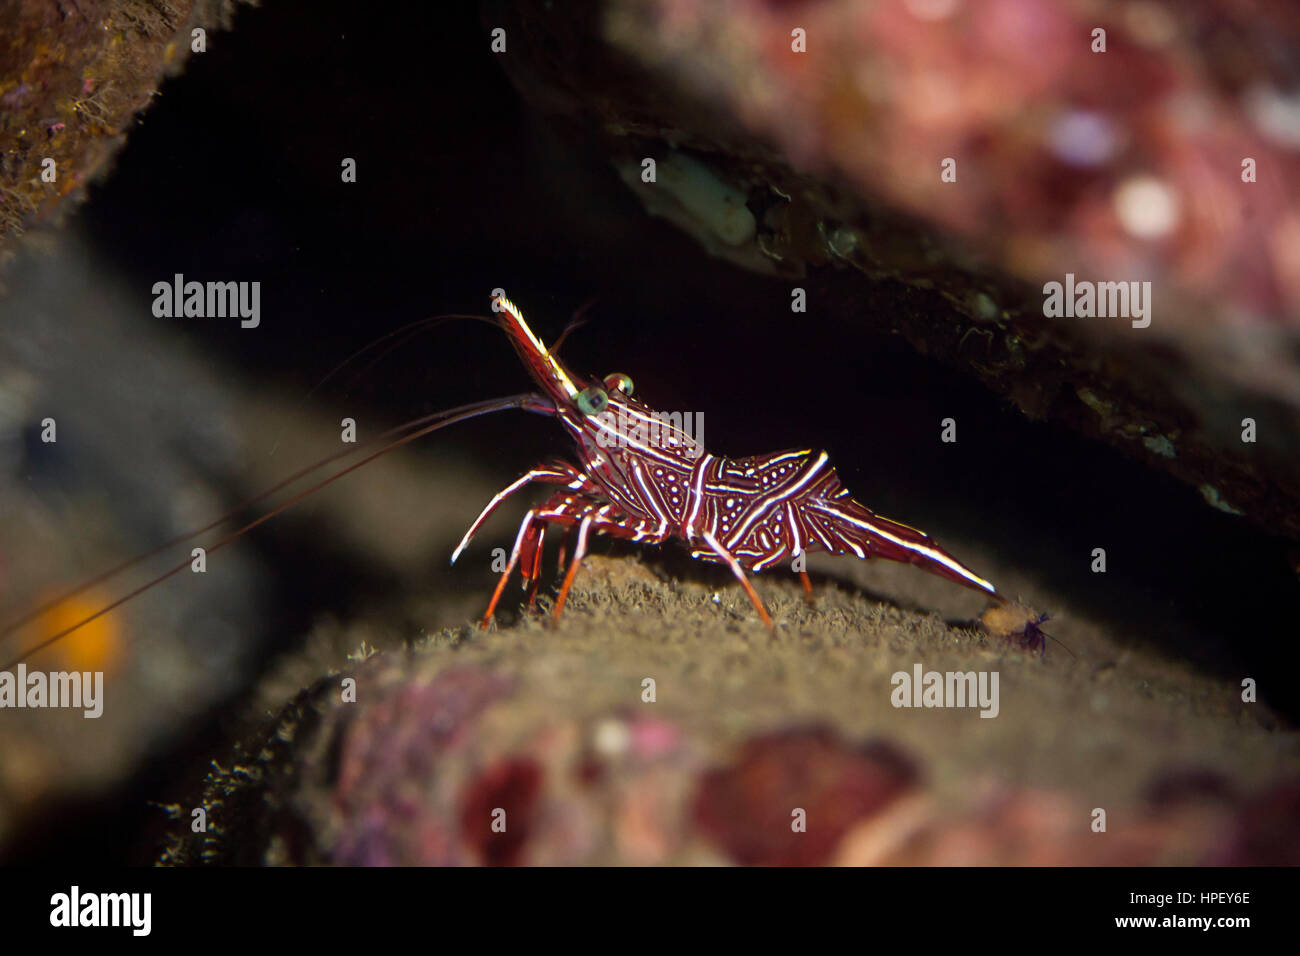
<point x="549" y="724"/>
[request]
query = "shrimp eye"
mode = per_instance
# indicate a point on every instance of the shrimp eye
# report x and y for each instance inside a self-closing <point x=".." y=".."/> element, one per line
<point x="592" y="400"/>
<point x="620" y="381"/>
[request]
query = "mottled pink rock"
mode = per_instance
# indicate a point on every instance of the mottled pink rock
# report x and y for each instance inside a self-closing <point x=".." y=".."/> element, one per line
<point x="748" y="807"/>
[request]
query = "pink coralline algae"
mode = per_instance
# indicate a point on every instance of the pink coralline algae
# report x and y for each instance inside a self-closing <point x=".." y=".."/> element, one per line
<point x="1266" y="829"/>
<point x="792" y="795"/>
<point x="392" y="756"/>
<point x="498" y="810"/>
<point x="424" y="776"/>
<point x="1165" y="149"/>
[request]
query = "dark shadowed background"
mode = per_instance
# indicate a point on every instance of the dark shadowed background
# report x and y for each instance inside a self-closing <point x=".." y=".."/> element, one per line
<point x="234" y="174"/>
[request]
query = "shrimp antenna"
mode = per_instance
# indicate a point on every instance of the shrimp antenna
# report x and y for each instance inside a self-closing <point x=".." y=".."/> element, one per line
<point x="389" y="340"/>
<point x="1033" y="625"/>
<point x="1062" y="643"/>
<point x="580" y="318"/>
<point x="421" y="426"/>
<point x="399" y="334"/>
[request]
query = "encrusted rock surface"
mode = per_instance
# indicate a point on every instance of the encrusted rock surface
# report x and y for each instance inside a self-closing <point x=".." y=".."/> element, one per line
<point x="660" y="723"/>
<point x="73" y="78"/>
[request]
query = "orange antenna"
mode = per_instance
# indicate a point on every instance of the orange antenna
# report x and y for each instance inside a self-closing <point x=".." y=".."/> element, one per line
<point x="404" y="332"/>
<point x="428" y="424"/>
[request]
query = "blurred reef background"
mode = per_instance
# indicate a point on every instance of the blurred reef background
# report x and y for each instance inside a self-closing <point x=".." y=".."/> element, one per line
<point x="777" y="169"/>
